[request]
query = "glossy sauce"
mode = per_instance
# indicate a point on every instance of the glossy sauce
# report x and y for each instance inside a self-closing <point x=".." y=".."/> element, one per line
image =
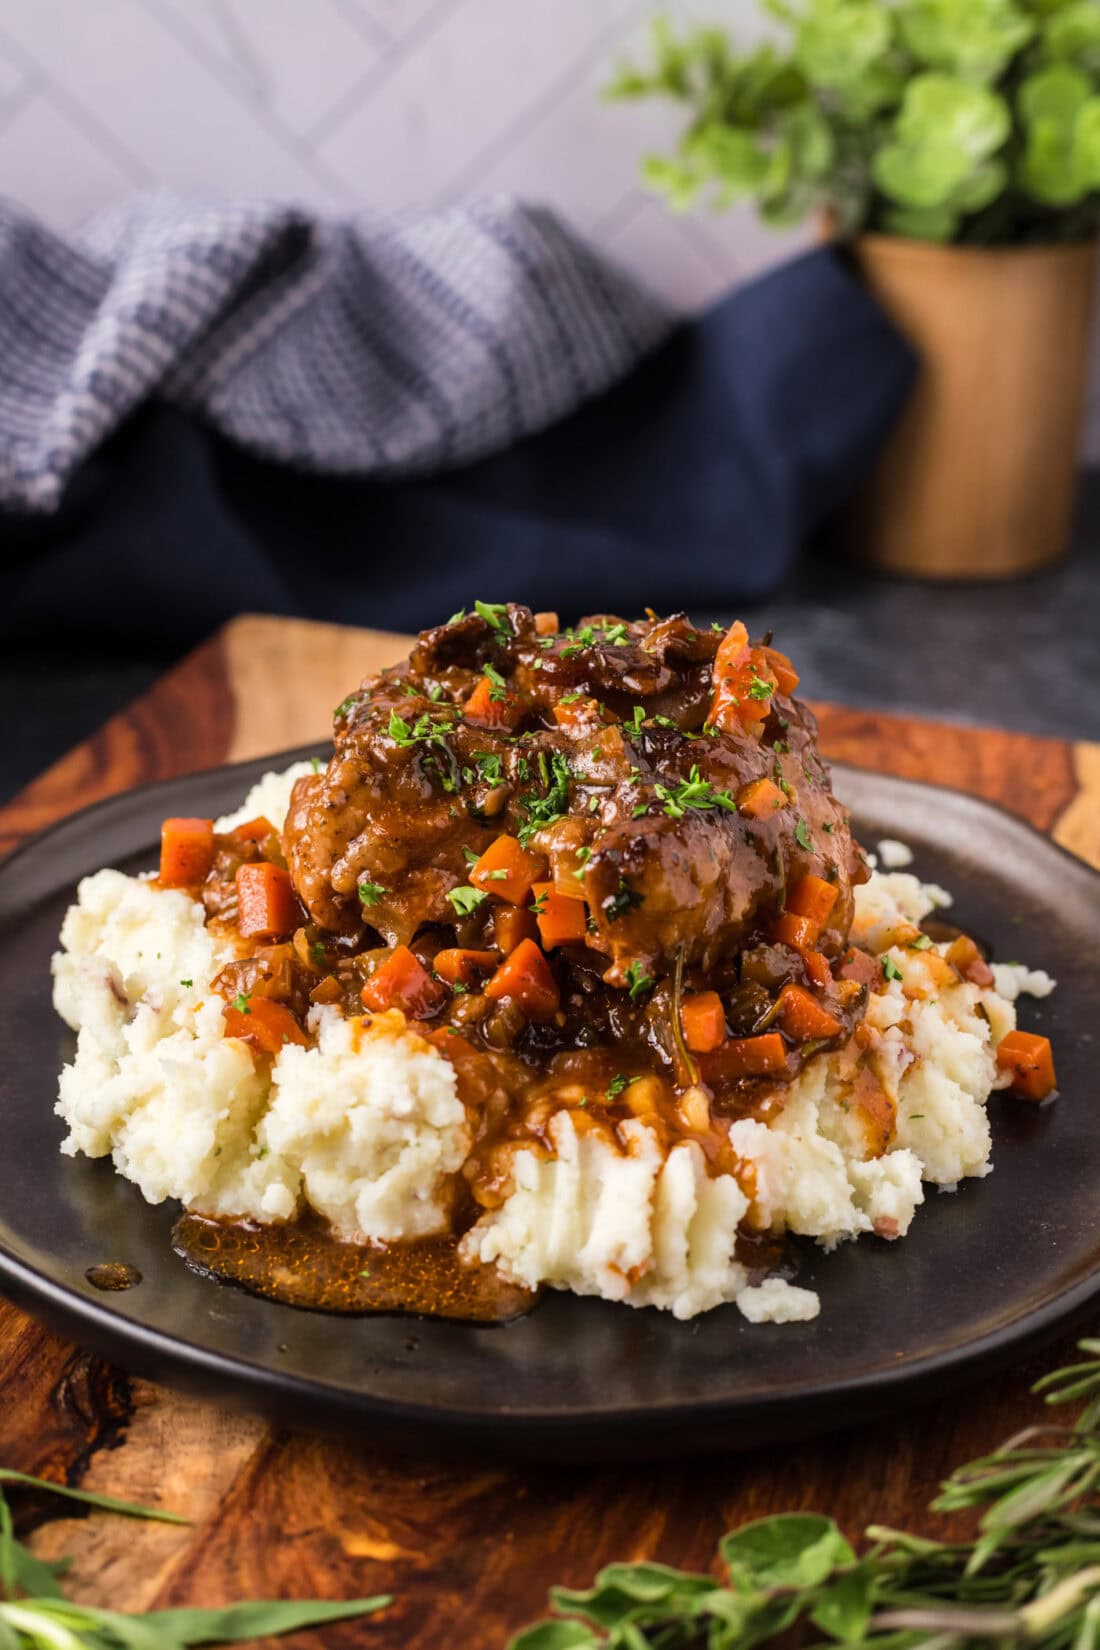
<point x="301" y="1264"/>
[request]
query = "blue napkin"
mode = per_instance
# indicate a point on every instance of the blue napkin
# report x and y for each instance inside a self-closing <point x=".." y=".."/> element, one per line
<point x="621" y="470"/>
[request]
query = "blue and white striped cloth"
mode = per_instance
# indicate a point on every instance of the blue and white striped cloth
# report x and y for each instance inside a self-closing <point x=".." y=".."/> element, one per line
<point x="352" y="347"/>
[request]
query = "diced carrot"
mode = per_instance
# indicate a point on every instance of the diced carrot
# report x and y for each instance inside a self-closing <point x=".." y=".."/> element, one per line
<point x="1030" y="1059"/>
<point x="507" y="870"/>
<point x="861" y="967"/>
<point x="801" y="932"/>
<point x="266" y="901"/>
<point x="579" y="714"/>
<point x="786" y="676"/>
<point x="704" y="1021"/>
<point x="266" y="1023"/>
<point x="561" y="919"/>
<point x="461" y="967"/>
<point x="964" y="955"/>
<point x="546" y="624"/>
<point x="817" y="968"/>
<point x="763" y="1056"/>
<point x="761" y="798"/>
<point x="186" y="851"/>
<point x="803" y="1017"/>
<point x="812" y="897"/>
<point x="513" y="924"/>
<point x="254" y="830"/>
<point x="743" y="682"/>
<point x="525" y="977"/>
<point x="492" y="706"/>
<point x="403" y="982"/>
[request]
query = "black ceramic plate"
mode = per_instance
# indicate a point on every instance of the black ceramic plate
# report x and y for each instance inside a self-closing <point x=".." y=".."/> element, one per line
<point x="981" y="1275"/>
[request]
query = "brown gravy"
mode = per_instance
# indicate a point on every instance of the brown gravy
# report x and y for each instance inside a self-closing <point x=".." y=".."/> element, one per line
<point x="301" y="1264"/>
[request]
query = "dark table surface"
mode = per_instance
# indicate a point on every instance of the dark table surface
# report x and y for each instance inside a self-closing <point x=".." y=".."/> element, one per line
<point x="1022" y="655"/>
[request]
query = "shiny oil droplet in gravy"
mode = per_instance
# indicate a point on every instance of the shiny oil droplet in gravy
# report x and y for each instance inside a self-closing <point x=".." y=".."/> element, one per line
<point x="113" y="1274"/>
<point x="302" y="1264"/>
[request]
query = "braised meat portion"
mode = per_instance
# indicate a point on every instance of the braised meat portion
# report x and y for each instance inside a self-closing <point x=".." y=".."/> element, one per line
<point x="660" y="773"/>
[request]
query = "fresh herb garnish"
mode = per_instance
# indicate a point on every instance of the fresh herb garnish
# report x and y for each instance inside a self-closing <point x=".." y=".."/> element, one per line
<point x="637" y="980"/>
<point x="583" y="855"/>
<point x="496" y="617"/>
<point x="315" y="763"/>
<point x="456" y="618"/>
<point x="422" y="732"/>
<point x="469" y="856"/>
<point x="538" y="904"/>
<point x="498" y="688"/>
<point x="637" y="717"/>
<point x="802" y="834"/>
<point x="371" y="893"/>
<point x="921" y="943"/>
<point x="891" y="969"/>
<point x="617" y="1085"/>
<point x="500" y="875"/>
<point x="342" y="709"/>
<point x="696" y="793"/>
<point x="488" y="766"/>
<point x="187" y="984"/>
<point x="544" y="810"/>
<point x="241" y="1002"/>
<point x="466" y="899"/>
<point x="759" y="688"/>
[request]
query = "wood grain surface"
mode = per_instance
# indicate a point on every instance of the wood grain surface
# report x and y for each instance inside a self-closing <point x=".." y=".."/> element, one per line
<point x="467" y="1548"/>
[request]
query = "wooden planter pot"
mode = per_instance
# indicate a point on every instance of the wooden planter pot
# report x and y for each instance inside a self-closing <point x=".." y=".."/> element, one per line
<point x="978" y="479"/>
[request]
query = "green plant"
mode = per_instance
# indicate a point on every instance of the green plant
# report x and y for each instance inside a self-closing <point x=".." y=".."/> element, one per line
<point x="35" y="1614"/>
<point x="1030" y="1577"/>
<point x="976" y="121"/>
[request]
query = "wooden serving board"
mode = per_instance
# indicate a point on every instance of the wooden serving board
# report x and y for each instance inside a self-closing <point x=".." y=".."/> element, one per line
<point x="467" y="1548"/>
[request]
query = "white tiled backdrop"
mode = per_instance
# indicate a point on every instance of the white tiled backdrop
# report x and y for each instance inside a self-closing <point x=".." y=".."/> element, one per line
<point x="393" y="104"/>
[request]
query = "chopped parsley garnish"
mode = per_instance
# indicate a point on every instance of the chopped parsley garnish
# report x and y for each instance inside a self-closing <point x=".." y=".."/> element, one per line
<point x="496" y="617"/>
<point x="500" y="875"/>
<point x="456" y="618"/>
<point x="624" y="899"/>
<point x="693" y="792"/>
<point x="544" y="810"/>
<point x="498" y="690"/>
<point x="760" y="689"/>
<point x="583" y="855"/>
<point x="616" y="634"/>
<point x="637" y="980"/>
<point x="829" y="827"/>
<point x="639" y="809"/>
<point x="343" y="707"/>
<point x="187" y="984"/>
<point x="636" y="719"/>
<point x="488" y="766"/>
<point x="466" y="899"/>
<point x="315" y="763"/>
<point x="921" y="943"/>
<point x="435" y="693"/>
<point x="241" y="1003"/>
<point x="371" y="893"/>
<point x="469" y="856"/>
<point x="422" y="732"/>
<point x="570" y="698"/>
<point x="317" y="951"/>
<point x="891" y="969"/>
<point x="617" y="1084"/>
<point x="802" y="834"/>
<point x="538" y="904"/>
<point x="781" y="747"/>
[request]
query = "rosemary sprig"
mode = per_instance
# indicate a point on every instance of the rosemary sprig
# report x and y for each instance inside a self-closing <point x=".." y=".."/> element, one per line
<point x="1029" y="1577"/>
<point x="35" y="1615"/>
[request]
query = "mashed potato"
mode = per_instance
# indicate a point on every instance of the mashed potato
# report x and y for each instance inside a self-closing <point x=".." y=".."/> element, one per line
<point x="367" y="1127"/>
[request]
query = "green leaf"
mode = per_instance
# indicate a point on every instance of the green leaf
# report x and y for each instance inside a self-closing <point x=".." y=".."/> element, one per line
<point x="946" y="131"/>
<point x="839" y="39"/>
<point x="1061" y="159"/>
<point x="234" y="1623"/>
<point x="928" y="223"/>
<point x="106" y="1503"/>
<point x="843" y="1611"/>
<point x="974" y="39"/>
<point x="1072" y="35"/>
<point x="788" y="1550"/>
<point x="553" y="1635"/>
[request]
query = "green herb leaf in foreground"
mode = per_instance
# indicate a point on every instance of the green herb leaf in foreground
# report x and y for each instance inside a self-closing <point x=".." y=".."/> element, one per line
<point x="34" y="1615"/>
<point x="1029" y="1577"/>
